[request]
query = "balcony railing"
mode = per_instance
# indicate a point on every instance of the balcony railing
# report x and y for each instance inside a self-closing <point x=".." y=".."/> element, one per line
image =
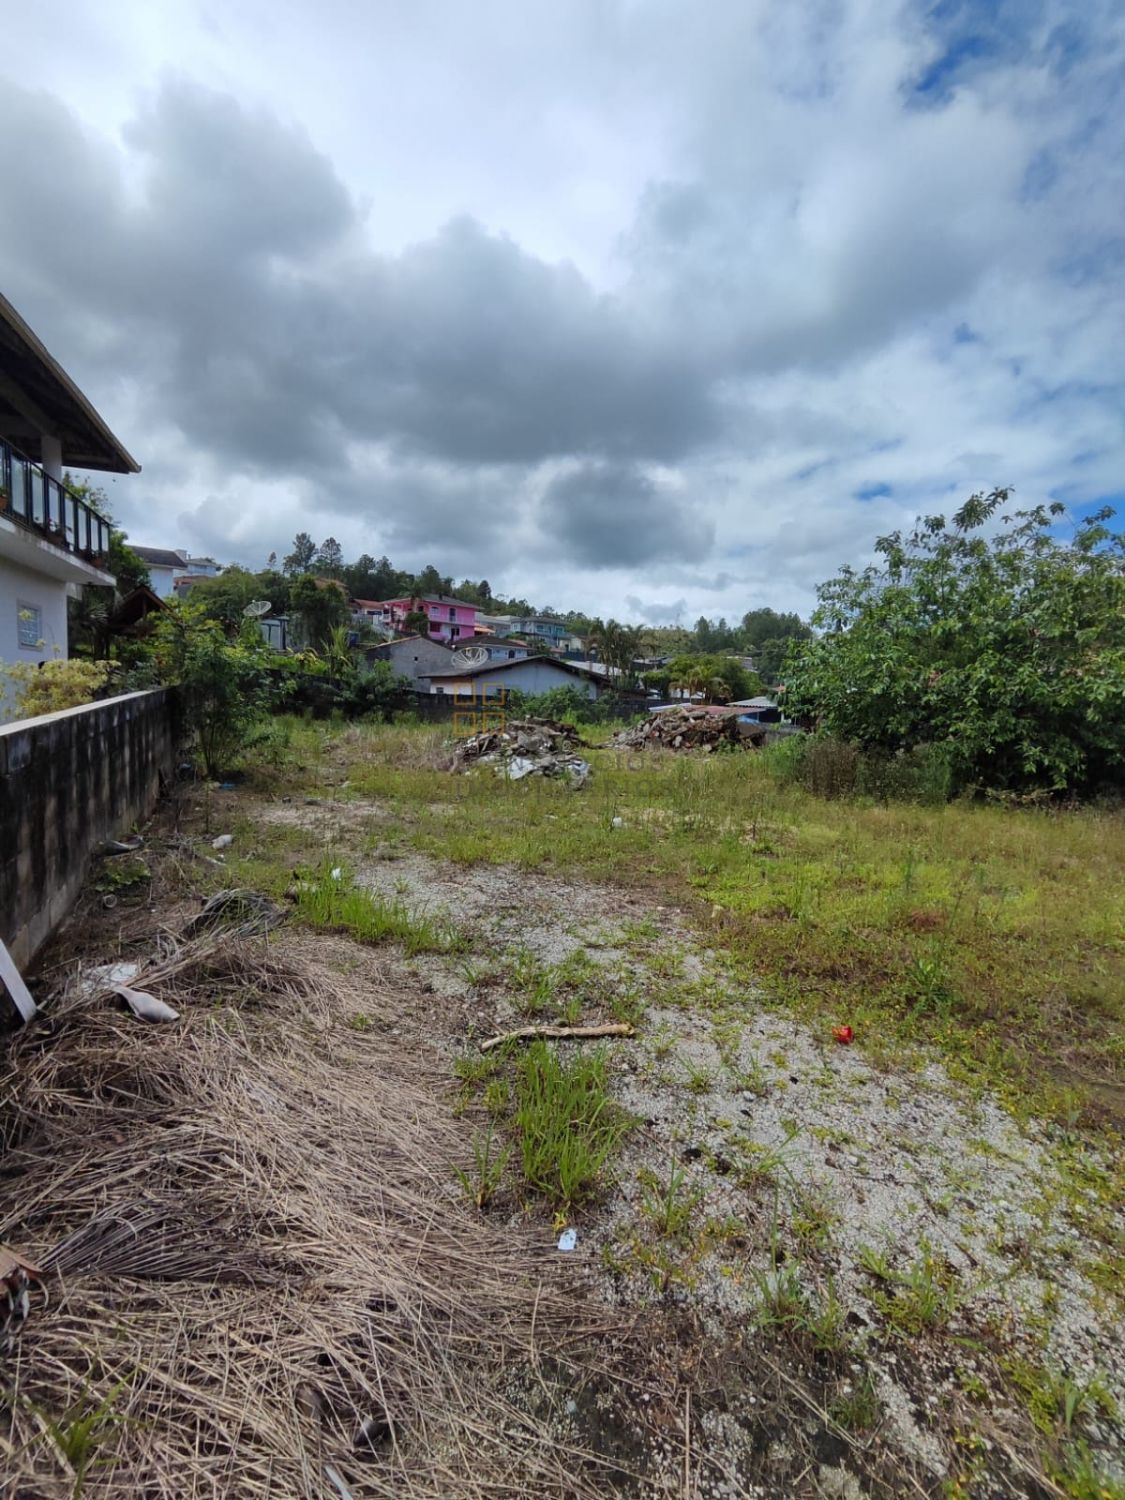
<point x="43" y="505"/>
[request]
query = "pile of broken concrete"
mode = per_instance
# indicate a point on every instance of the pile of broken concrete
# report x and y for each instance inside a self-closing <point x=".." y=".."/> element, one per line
<point x="693" y="727"/>
<point x="525" y="747"/>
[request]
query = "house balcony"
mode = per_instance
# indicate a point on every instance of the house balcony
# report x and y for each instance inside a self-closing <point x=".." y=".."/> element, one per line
<point x="47" y="527"/>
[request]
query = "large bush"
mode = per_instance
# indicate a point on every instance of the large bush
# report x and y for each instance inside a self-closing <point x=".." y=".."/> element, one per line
<point x="224" y="684"/>
<point x="1003" y="648"/>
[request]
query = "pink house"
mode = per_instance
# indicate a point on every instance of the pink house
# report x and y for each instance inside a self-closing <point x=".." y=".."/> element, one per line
<point x="449" y="619"/>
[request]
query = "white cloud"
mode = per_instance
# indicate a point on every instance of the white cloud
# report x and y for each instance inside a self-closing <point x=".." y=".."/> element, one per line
<point x="726" y="270"/>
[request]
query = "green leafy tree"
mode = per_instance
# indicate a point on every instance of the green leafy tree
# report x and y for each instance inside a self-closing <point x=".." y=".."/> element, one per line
<point x="761" y="625"/>
<point x="320" y="606"/>
<point x="430" y="581"/>
<point x="766" y="636"/>
<point x="692" y="675"/>
<point x="711" y="638"/>
<point x="1005" y="647"/>
<point x="416" y="622"/>
<point x="330" y="559"/>
<point x="375" y="578"/>
<point x="225" y="596"/>
<point x="378" y="693"/>
<point x="770" y="657"/>
<point x="224" y="684"/>
<point x="300" y="560"/>
<point x="275" y="587"/>
<point x="719" y="678"/>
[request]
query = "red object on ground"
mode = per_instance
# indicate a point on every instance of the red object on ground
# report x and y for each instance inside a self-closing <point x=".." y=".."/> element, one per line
<point x="844" y="1034"/>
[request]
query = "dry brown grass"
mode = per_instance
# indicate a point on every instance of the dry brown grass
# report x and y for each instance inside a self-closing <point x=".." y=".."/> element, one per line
<point x="258" y="1247"/>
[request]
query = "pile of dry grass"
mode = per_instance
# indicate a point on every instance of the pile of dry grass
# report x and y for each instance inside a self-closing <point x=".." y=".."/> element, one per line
<point x="264" y="1279"/>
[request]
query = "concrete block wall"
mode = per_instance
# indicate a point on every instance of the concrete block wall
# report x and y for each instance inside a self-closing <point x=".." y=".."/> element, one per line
<point x="68" y="781"/>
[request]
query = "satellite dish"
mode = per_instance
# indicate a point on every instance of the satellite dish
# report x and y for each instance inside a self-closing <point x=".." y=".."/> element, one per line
<point x="257" y="608"/>
<point x="470" y="656"/>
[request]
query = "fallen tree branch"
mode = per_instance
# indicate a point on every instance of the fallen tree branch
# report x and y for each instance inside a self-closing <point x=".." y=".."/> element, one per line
<point x="526" y="1033"/>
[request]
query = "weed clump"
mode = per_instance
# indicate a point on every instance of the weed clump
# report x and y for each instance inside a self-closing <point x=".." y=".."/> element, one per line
<point x="568" y="1127"/>
<point x="332" y="902"/>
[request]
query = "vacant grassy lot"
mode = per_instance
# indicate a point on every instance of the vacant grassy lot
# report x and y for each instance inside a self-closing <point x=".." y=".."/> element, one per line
<point x="795" y="1267"/>
<point x="997" y="936"/>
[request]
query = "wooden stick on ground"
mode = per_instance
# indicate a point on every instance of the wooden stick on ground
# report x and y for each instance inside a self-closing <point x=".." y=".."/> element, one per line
<point x="526" y="1033"/>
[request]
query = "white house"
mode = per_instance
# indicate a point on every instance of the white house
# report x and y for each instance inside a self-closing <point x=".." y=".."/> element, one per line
<point x="164" y="566"/>
<point x="51" y="542"/>
<point x="172" y="571"/>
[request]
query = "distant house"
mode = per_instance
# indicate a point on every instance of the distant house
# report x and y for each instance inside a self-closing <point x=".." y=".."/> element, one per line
<point x="413" y="656"/>
<point x="163" y="565"/>
<point x="193" y="570"/>
<point x="368" y="612"/>
<point x="499" y="648"/>
<point x="533" y="675"/>
<point x="542" y="629"/>
<point x="762" y="710"/>
<point x="494" y="624"/>
<point x="172" y="571"/>
<point x="51" y="541"/>
<point x="448" y="618"/>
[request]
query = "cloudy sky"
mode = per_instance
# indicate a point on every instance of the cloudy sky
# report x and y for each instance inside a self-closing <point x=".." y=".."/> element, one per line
<point x="648" y="307"/>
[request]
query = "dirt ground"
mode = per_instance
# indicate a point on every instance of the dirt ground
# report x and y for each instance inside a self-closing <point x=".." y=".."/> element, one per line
<point x="818" y="1276"/>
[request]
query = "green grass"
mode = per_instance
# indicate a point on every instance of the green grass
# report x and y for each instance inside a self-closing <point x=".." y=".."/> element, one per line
<point x="489" y="1161"/>
<point x="336" y="904"/>
<point x="79" y="1434"/>
<point x="923" y="1297"/>
<point x="994" y="935"/>
<point x="816" y="1321"/>
<point x="668" y="1202"/>
<point x="856" y="1408"/>
<point x="566" y="1124"/>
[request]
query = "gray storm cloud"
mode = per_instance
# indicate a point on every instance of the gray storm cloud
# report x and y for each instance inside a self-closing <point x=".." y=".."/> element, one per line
<point x="787" y="306"/>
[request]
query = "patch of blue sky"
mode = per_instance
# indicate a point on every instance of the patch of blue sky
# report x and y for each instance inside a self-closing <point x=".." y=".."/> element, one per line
<point x="811" y="470"/>
<point x="974" y="35"/>
<point x="1078" y="510"/>
<point x="1080" y="393"/>
<point x="873" y="491"/>
<point x="1041" y="175"/>
<point x="1095" y="264"/>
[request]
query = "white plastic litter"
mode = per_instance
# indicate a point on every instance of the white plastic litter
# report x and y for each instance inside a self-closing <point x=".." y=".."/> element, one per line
<point x="337" y="872"/>
<point x="617" y="822"/>
<point x="568" y="1239"/>
<point x="224" y="841"/>
<point x="144" y="1005"/>
<point x="102" y="977"/>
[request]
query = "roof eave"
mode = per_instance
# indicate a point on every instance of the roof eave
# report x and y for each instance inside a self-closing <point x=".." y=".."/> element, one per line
<point x="122" y="461"/>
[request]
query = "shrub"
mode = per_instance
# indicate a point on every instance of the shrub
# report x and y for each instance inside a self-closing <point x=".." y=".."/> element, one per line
<point x="50" y="686"/>
<point x="830" y="767"/>
<point x="1006" y="650"/>
<point x="571" y="706"/>
<point x="224" y="685"/>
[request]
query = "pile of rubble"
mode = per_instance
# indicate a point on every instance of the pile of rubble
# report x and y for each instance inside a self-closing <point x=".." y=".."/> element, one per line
<point x="526" y="747"/>
<point x="691" y="728"/>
